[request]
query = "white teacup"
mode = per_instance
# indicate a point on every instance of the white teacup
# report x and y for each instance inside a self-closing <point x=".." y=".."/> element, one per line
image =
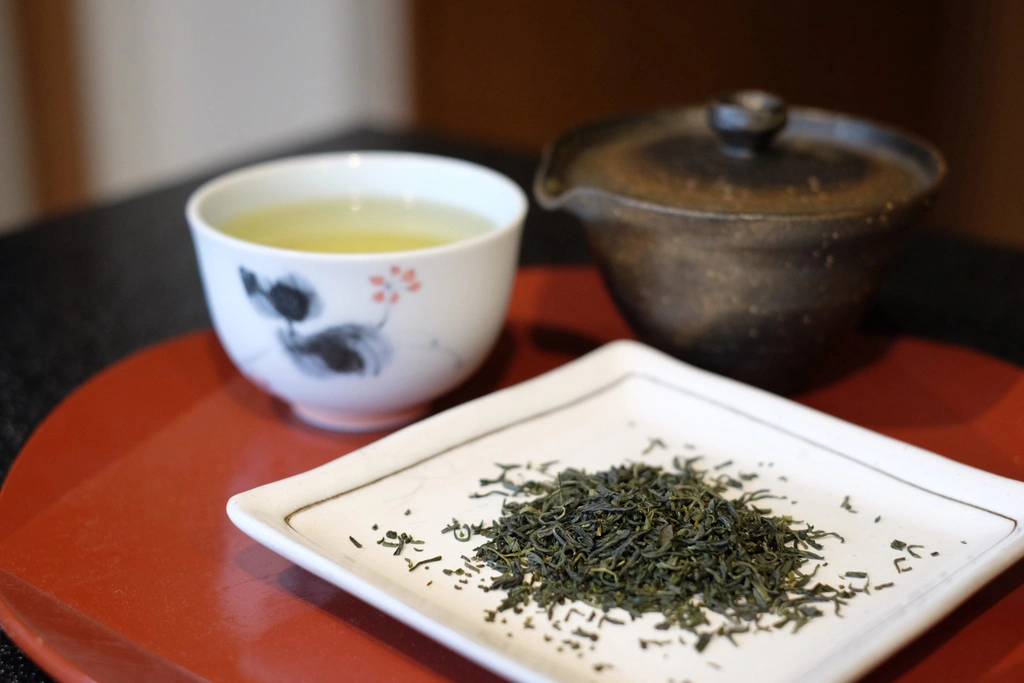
<point x="360" y="341"/>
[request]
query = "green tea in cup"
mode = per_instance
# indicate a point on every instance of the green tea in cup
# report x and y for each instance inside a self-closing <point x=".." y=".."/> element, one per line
<point x="354" y="225"/>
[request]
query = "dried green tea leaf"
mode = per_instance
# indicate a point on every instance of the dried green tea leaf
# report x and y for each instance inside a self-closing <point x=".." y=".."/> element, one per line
<point x="644" y="539"/>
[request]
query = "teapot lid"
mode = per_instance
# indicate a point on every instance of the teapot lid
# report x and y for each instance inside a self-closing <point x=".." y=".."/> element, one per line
<point x="745" y="153"/>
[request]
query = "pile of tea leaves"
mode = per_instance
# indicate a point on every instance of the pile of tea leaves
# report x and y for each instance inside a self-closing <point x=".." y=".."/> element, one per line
<point x="646" y="539"/>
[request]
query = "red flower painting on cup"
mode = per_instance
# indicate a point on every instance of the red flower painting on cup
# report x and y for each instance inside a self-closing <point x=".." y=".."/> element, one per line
<point x="391" y="286"/>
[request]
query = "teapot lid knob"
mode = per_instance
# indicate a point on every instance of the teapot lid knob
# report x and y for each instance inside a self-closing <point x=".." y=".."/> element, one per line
<point x="746" y="120"/>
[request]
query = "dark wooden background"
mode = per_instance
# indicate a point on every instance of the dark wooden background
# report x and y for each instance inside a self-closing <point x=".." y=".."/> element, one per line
<point x="517" y="73"/>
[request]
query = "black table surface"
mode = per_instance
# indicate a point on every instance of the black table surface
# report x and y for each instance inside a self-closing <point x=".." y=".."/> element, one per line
<point x="83" y="290"/>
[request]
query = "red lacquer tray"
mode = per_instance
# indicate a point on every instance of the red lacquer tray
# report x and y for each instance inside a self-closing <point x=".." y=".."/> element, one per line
<point x="118" y="563"/>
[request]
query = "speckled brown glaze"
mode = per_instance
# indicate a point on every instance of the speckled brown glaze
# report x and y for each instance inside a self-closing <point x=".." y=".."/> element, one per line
<point x="749" y="277"/>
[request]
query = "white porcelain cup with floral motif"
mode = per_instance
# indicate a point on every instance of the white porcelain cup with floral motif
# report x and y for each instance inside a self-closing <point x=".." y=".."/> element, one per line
<point x="358" y="342"/>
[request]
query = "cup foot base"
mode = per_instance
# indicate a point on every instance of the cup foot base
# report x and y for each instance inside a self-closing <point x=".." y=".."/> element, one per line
<point x="338" y="422"/>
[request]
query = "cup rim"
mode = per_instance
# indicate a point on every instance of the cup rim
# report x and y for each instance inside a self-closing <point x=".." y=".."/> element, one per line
<point x="199" y="224"/>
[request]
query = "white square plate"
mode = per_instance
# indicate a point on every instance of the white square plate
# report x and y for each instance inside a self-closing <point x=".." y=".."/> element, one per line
<point x="605" y="409"/>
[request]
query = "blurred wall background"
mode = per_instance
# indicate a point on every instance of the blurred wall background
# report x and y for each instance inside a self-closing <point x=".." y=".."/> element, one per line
<point x="16" y="202"/>
<point x="124" y="94"/>
<point x="171" y="86"/>
<point x="102" y="98"/>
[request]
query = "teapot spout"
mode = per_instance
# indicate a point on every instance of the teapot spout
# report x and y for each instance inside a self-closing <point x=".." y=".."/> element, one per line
<point x="549" y="186"/>
<point x="556" y="186"/>
<point x="565" y="178"/>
